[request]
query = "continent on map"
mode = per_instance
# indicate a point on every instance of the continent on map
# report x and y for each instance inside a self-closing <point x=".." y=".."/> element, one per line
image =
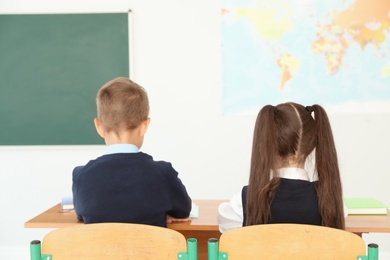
<point x="363" y="22"/>
<point x="333" y="50"/>
<point x="261" y="17"/>
<point x="366" y="21"/>
<point x="289" y="65"/>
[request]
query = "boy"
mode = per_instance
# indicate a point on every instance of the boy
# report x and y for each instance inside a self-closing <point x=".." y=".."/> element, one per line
<point x="126" y="185"/>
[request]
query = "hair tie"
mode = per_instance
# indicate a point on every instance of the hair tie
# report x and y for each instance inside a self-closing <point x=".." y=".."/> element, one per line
<point x="310" y="109"/>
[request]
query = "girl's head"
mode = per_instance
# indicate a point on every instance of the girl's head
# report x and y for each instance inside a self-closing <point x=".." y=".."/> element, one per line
<point x="290" y="132"/>
<point x="284" y="136"/>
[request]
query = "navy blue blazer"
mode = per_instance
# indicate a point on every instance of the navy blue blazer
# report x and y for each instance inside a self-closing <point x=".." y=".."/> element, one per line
<point x="130" y="188"/>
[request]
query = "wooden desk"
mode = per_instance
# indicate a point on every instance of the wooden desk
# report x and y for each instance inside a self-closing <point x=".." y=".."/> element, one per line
<point x="206" y="225"/>
<point x="201" y="228"/>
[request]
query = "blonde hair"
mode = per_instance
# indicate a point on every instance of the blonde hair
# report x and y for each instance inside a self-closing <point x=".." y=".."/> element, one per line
<point x="122" y="104"/>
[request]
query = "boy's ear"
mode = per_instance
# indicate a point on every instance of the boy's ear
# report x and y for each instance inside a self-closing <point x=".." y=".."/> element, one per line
<point x="144" y="126"/>
<point x="99" y="127"/>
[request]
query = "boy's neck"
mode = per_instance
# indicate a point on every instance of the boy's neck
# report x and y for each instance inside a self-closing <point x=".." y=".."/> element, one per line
<point x="124" y="137"/>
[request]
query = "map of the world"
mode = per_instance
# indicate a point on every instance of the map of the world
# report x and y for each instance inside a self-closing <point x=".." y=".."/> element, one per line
<point x="330" y="52"/>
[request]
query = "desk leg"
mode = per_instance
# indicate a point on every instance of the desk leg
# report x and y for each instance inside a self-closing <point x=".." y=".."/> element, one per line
<point x="360" y="234"/>
<point x="202" y="237"/>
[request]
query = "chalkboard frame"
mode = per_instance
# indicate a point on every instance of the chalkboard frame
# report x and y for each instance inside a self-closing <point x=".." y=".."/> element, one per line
<point x="52" y="67"/>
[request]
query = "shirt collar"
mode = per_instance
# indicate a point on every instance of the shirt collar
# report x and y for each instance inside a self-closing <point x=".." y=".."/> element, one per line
<point x="296" y="174"/>
<point x="122" y="148"/>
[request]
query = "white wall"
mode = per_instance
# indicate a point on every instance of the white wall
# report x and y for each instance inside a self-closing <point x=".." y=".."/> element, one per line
<point x="177" y="59"/>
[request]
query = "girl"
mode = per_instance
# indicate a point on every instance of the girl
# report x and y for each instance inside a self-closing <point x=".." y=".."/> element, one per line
<point x="281" y="189"/>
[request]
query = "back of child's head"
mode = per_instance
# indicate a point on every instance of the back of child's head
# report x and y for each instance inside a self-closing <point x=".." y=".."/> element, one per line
<point x="122" y="104"/>
<point x="295" y="131"/>
<point x="284" y="136"/>
<point x="286" y="132"/>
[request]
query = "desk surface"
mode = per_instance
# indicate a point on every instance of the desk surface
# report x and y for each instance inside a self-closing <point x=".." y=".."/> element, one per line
<point x="56" y="218"/>
<point x="207" y="221"/>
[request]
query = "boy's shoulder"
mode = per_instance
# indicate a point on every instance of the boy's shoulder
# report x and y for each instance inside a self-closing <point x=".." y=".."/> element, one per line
<point x="132" y="159"/>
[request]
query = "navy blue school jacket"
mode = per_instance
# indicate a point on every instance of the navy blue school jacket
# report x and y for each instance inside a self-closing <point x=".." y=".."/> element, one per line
<point x="130" y="188"/>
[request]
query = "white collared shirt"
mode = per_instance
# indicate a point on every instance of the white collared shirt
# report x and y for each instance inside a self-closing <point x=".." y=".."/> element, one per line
<point x="296" y="174"/>
<point x="121" y="148"/>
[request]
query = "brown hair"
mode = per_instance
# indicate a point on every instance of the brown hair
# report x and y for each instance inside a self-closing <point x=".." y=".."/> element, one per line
<point x="122" y="104"/>
<point x="288" y="131"/>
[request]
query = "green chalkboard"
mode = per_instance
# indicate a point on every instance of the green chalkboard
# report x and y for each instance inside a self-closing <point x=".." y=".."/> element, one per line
<point x="51" y="67"/>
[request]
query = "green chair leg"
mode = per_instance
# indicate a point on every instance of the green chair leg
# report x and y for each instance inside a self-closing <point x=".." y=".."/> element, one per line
<point x="213" y="252"/>
<point x="212" y="249"/>
<point x="372" y="253"/>
<point x="192" y="250"/>
<point x="35" y="251"/>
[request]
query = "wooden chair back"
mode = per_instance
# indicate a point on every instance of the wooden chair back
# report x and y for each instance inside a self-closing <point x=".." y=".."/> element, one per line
<point x="291" y="241"/>
<point x="114" y="241"/>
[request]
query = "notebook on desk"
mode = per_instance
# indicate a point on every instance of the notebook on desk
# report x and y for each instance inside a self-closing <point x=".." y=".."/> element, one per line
<point x="67" y="203"/>
<point x="365" y="206"/>
<point x="194" y="211"/>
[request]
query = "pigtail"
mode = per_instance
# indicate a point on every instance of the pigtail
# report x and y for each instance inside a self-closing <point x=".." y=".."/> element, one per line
<point x="260" y="194"/>
<point x="329" y="187"/>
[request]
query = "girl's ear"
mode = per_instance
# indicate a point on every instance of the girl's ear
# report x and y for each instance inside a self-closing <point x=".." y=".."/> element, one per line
<point x="99" y="127"/>
<point x="144" y="127"/>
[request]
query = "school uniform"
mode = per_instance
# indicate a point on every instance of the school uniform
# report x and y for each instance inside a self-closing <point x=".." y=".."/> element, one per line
<point x="295" y="201"/>
<point x="126" y="185"/>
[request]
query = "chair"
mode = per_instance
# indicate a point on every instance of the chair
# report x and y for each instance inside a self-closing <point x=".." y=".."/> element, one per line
<point x="113" y="241"/>
<point x="287" y="241"/>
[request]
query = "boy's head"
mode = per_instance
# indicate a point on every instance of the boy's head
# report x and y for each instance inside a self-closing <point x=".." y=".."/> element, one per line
<point x="122" y="105"/>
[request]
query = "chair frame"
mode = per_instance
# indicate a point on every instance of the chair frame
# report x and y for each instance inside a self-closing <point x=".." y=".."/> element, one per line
<point x="302" y="238"/>
<point x="132" y="240"/>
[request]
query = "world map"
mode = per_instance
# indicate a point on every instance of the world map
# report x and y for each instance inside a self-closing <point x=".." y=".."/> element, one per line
<point x="330" y="52"/>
